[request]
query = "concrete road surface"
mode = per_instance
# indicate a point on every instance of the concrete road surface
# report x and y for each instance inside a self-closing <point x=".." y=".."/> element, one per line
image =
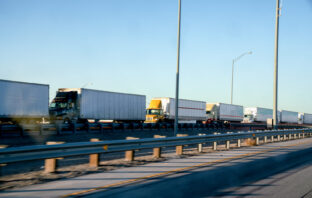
<point x="272" y="170"/>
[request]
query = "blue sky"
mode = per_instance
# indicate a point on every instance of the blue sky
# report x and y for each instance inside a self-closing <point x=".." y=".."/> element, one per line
<point x="130" y="46"/>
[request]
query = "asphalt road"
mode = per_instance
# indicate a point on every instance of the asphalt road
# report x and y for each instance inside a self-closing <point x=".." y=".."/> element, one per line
<point x="280" y="169"/>
<point x="294" y="181"/>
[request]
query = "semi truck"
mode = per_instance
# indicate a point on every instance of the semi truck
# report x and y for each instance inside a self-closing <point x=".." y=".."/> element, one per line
<point x="304" y="118"/>
<point x="23" y="102"/>
<point x="224" y="112"/>
<point x="163" y="110"/>
<point x="82" y="105"/>
<point x="288" y="117"/>
<point x="257" y="114"/>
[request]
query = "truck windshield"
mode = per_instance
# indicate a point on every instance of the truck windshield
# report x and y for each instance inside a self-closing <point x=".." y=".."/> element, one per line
<point x="59" y="105"/>
<point x="153" y="112"/>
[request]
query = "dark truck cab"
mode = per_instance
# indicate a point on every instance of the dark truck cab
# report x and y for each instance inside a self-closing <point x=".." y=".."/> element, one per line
<point x="64" y="106"/>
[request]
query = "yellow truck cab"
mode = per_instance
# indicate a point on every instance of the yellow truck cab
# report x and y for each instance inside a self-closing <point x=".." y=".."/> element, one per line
<point x="154" y="112"/>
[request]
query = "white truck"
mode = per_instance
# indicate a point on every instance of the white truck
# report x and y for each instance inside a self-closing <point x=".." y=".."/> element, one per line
<point x="288" y="117"/>
<point x="257" y="114"/>
<point x="304" y="118"/>
<point x="163" y="110"/>
<point x="81" y="105"/>
<point x="224" y="112"/>
<point x="23" y="102"/>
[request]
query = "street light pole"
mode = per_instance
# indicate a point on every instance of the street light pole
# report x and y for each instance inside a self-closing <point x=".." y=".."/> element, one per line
<point x="233" y="62"/>
<point x="176" y="120"/>
<point x="275" y="121"/>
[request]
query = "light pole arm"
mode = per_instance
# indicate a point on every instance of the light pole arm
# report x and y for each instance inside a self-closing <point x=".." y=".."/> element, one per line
<point x="239" y="57"/>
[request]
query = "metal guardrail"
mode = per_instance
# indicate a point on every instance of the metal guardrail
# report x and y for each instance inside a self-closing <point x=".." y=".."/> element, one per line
<point x="39" y="152"/>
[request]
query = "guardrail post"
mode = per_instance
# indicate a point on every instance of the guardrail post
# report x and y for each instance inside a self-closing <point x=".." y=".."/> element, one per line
<point x="157" y="151"/>
<point x="303" y="134"/>
<point x="295" y="136"/>
<point x="239" y="143"/>
<point x="278" y="138"/>
<point x="179" y="149"/>
<point x="200" y="146"/>
<point x="284" y="137"/>
<point x="272" y="138"/>
<point x="214" y="144"/>
<point x="289" y="137"/>
<point x="50" y="165"/>
<point x="94" y="159"/>
<point x="129" y="155"/>
<point x="227" y="142"/>
<point x="265" y="140"/>
<point x="257" y="141"/>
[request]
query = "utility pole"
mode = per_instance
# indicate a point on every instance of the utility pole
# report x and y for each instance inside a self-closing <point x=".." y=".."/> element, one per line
<point x="275" y="97"/>
<point x="176" y="120"/>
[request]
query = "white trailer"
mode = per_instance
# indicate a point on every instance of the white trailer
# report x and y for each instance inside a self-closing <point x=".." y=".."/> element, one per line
<point x="187" y="109"/>
<point x="79" y="103"/>
<point x="163" y="110"/>
<point x="288" y="117"/>
<point x="257" y="114"/>
<point x="225" y="112"/>
<point x="21" y="100"/>
<point x="306" y="118"/>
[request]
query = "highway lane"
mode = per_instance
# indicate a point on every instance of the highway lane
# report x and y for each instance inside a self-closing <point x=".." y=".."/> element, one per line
<point x="293" y="180"/>
<point x="198" y="176"/>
